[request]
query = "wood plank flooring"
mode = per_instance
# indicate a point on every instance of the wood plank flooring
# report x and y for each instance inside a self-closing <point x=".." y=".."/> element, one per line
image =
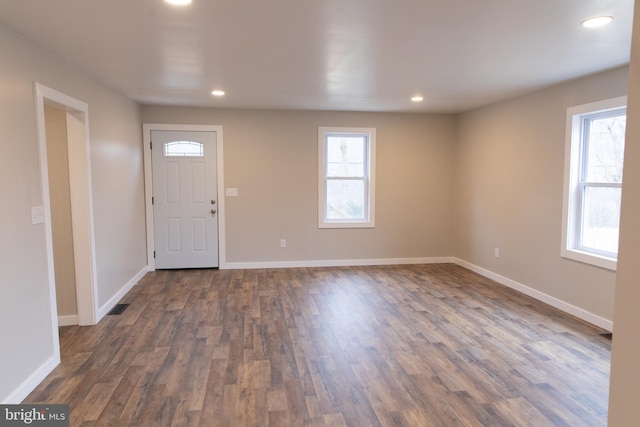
<point x="419" y="345"/>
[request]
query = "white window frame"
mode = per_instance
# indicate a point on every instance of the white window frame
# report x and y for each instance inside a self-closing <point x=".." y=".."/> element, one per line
<point x="369" y="177"/>
<point x="573" y="193"/>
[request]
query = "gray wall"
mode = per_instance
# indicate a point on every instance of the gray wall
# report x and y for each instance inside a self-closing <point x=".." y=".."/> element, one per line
<point x="625" y="369"/>
<point x="509" y="161"/>
<point x="116" y="163"/>
<point x="272" y="158"/>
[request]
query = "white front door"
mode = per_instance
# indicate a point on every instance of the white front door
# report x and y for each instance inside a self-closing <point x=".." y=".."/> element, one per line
<point x="185" y="199"/>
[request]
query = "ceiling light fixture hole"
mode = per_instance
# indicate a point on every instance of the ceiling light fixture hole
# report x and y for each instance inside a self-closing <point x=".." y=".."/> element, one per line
<point x="178" y="2"/>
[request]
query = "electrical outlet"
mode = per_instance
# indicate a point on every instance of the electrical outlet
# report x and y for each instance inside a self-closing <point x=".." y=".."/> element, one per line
<point x="283" y="243"/>
<point x="37" y="215"/>
<point x="496" y="252"/>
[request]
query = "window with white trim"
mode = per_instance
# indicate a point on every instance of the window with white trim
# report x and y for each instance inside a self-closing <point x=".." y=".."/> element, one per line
<point x="346" y="177"/>
<point x="594" y="156"/>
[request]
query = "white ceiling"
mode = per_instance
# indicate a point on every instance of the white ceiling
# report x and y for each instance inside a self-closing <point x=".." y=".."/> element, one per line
<point x="365" y="55"/>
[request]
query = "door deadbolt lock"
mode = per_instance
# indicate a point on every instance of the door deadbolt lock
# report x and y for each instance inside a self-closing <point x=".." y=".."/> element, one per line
<point x="213" y="202"/>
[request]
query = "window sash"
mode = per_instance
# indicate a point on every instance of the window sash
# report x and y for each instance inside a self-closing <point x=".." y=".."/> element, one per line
<point x="365" y="197"/>
<point x="586" y="145"/>
<point x="363" y="138"/>
<point x="582" y="218"/>
<point x="364" y="177"/>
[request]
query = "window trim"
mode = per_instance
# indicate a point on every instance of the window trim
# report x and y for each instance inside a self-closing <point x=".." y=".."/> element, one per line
<point x="571" y="196"/>
<point x="369" y="179"/>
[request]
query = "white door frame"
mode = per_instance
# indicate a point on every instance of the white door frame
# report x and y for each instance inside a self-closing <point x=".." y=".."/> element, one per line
<point x="81" y="204"/>
<point x="147" y="128"/>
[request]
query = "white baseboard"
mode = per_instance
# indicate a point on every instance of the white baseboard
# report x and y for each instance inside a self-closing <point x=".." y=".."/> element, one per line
<point x="68" y="320"/>
<point x="333" y="263"/>
<point x="102" y="311"/>
<point x="540" y="296"/>
<point x="32" y="382"/>
<point x="19" y="394"/>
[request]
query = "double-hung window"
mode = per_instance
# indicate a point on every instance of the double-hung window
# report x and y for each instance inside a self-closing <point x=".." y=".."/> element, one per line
<point x="346" y="178"/>
<point x="593" y="181"/>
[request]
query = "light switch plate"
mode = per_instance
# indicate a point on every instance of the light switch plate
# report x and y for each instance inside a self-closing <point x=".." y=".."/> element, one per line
<point x="232" y="192"/>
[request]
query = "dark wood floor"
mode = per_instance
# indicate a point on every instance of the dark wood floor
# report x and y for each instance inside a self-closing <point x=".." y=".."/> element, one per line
<point x="422" y="345"/>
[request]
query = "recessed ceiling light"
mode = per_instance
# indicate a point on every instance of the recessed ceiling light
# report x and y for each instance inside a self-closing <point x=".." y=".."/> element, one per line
<point x="179" y="2"/>
<point x="417" y="98"/>
<point x="598" y="21"/>
<point x="217" y="93"/>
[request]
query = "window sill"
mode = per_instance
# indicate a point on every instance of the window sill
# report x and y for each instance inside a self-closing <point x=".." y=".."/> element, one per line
<point x="346" y="225"/>
<point x="589" y="258"/>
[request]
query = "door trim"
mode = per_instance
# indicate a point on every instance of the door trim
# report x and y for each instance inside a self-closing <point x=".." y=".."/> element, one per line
<point x="81" y="205"/>
<point x="147" y="128"/>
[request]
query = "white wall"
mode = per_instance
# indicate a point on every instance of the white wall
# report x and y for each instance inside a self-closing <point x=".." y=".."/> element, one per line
<point x="509" y="186"/>
<point x="116" y="161"/>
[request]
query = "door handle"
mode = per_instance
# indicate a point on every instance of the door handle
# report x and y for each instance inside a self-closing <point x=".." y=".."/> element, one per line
<point x="213" y="211"/>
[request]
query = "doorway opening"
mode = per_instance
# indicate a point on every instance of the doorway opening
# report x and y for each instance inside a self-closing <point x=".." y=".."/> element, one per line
<point x="57" y="140"/>
<point x="59" y="116"/>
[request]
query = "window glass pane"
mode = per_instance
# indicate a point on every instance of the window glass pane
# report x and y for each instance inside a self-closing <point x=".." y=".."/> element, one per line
<point x="345" y="199"/>
<point x="346" y="155"/>
<point x="601" y="219"/>
<point x="183" y="149"/>
<point x="605" y="149"/>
